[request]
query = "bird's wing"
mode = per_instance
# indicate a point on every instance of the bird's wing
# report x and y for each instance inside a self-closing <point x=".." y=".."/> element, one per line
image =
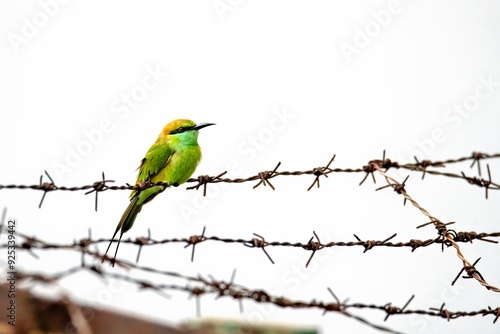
<point x="157" y="158"/>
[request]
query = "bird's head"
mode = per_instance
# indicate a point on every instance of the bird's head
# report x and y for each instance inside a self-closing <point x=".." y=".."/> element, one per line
<point x="183" y="131"/>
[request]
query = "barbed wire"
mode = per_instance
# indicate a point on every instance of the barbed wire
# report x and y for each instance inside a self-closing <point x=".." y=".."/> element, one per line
<point x="446" y="237"/>
<point x="264" y="177"/>
<point x="442" y="228"/>
<point x="377" y="165"/>
<point x="452" y="238"/>
<point x="220" y="288"/>
<point x="314" y="244"/>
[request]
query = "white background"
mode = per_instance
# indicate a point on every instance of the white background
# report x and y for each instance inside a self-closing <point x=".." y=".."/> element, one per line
<point x="352" y="77"/>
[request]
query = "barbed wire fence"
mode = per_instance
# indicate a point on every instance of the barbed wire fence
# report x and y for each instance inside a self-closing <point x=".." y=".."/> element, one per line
<point x="381" y="167"/>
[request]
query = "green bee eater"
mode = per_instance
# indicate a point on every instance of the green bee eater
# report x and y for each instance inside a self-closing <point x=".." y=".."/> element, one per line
<point x="171" y="159"/>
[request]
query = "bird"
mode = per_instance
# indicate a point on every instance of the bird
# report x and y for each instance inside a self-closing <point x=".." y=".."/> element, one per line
<point x="172" y="159"/>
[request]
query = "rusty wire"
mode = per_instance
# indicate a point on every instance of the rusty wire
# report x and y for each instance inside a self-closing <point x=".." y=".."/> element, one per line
<point x="264" y="177"/>
<point x="31" y="243"/>
<point x="313" y="245"/>
<point x="199" y="286"/>
<point x="445" y="234"/>
<point x="446" y="237"/>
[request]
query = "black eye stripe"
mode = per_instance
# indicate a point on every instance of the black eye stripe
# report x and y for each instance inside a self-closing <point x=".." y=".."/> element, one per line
<point x="181" y="130"/>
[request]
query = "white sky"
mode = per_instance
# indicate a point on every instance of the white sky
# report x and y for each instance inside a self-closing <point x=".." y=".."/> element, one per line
<point x="66" y="76"/>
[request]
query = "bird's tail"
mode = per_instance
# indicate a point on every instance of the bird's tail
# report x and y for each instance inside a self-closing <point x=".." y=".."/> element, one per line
<point x="125" y="224"/>
<point x="129" y="216"/>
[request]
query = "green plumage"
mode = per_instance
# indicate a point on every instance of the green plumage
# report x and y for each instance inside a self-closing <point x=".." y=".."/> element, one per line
<point x="172" y="159"/>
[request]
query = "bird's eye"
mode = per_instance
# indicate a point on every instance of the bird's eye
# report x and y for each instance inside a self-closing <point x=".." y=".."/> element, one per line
<point x="178" y="130"/>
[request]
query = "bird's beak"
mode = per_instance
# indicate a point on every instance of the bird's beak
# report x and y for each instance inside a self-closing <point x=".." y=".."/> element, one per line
<point x="202" y="125"/>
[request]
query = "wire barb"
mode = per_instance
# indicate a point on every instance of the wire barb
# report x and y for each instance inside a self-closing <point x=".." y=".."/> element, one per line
<point x="97" y="187"/>
<point x="398" y="187"/>
<point x="374" y="165"/>
<point x="447" y="236"/>
<point x="321" y="171"/>
<point x="237" y="292"/>
<point x="477" y="156"/>
<point x="469" y="270"/>
<point x="422" y="165"/>
<point x="195" y="239"/>
<point x="313" y="246"/>
<point x="203" y="180"/>
<point x="265" y="176"/>
<point x="369" y="244"/>
<point x="259" y="243"/>
<point x="141" y="241"/>
<point x="390" y="310"/>
<point x="36" y="243"/>
<point x="46" y="187"/>
<point x="444" y="313"/>
<point x="481" y="182"/>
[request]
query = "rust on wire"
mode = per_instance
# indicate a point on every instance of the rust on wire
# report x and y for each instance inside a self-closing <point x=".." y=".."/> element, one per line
<point x="265" y="176"/>
<point x="422" y="165"/>
<point x="31" y="243"/>
<point x="445" y="237"/>
<point x="398" y="187"/>
<point x="477" y="156"/>
<point x="313" y="246"/>
<point x="197" y="292"/>
<point x="369" y="244"/>
<point x="258" y="243"/>
<point x="478" y="181"/>
<point x="238" y="293"/>
<point x="374" y="165"/>
<point x="321" y="171"/>
<point x="85" y="242"/>
<point x="141" y="241"/>
<point x="338" y="306"/>
<point x="495" y="312"/>
<point x="448" y="236"/>
<point x="444" y="313"/>
<point x="203" y="180"/>
<point x="469" y="270"/>
<point x="97" y="187"/>
<point x="225" y="289"/>
<point x="46" y="187"/>
<point x="391" y="310"/>
<point x="195" y="239"/>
